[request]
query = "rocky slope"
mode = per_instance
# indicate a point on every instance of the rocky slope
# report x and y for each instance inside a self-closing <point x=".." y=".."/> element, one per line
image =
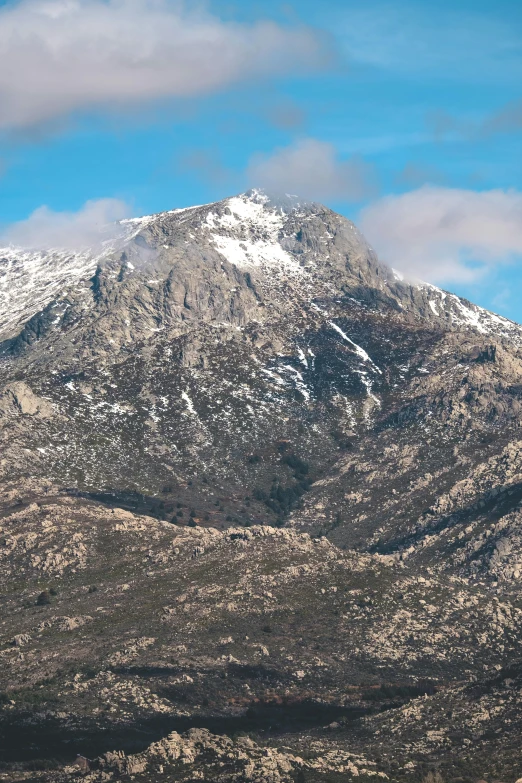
<point x="260" y="509"/>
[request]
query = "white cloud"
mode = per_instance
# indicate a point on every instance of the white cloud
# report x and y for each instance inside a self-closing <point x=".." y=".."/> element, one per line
<point x="92" y="224"/>
<point x="312" y="169"/>
<point x="62" y="56"/>
<point x="443" y="234"/>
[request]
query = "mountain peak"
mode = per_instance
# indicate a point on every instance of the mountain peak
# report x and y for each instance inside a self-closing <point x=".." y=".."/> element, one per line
<point x="250" y="230"/>
<point x="286" y="202"/>
<point x="249" y="205"/>
<point x="284" y="251"/>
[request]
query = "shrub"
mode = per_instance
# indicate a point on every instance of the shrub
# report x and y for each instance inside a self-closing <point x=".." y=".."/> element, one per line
<point x="400" y="692"/>
<point x="296" y="463"/>
<point x="433" y="777"/>
<point x="44" y="599"/>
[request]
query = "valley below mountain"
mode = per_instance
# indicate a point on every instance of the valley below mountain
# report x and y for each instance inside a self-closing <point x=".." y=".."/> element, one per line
<point x="260" y="510"/>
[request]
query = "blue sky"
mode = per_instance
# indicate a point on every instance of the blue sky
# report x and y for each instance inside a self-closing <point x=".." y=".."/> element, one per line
<point x="405" y="117"/>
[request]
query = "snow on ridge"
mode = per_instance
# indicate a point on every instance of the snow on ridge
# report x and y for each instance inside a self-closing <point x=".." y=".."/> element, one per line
<point x="249" y="209"/>
<point x="245" y="229"/>
<point x="145" y="219"/>
<point x="252" y="204"/>
<point x="246" y="232"/>
<point x="246" y="212"/>
<point x="30" y="280"/>
<point x="467" y="314"/>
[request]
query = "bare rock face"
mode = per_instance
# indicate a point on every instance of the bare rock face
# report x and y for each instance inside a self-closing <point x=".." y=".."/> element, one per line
<point x="17" y="399"/>
<point x="260" y="509"/>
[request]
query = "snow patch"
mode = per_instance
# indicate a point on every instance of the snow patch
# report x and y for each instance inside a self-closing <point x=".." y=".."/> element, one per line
<point x="358" y="350"/>
<point x="299" y="381"/>
<point x="302" y="358"/>
<point x="247" y="233"/>
<point x="244" y="253"/>
<point x="190" y="404"/>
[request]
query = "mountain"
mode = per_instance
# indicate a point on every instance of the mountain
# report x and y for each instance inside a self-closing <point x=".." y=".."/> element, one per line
<point x="260" y="507"/>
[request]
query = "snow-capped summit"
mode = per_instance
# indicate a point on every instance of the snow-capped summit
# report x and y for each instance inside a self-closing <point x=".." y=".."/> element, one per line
<point x="288" y="251"/>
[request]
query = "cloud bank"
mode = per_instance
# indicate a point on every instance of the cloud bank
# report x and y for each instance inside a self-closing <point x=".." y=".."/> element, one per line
<point x="93" y="224"/>
<point x="312" y="169"/>
<point x="63" y="56"/>
<point x="446" y="235"/>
